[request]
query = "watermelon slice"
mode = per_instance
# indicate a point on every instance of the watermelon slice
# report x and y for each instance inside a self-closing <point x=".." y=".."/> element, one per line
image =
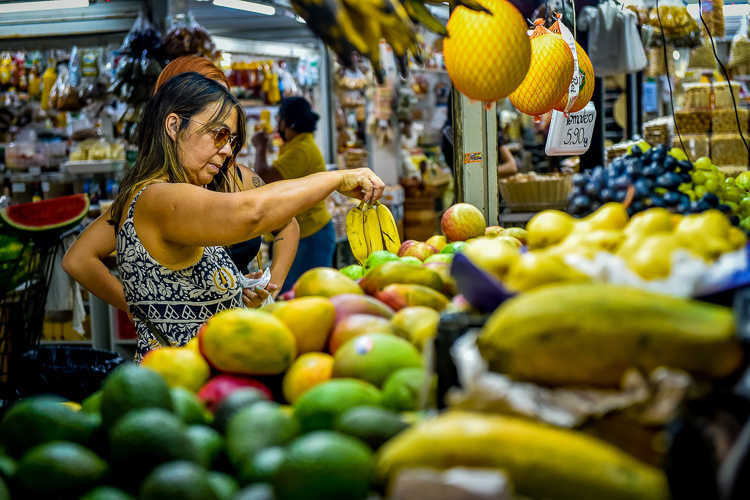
<point x="56" y="213"/>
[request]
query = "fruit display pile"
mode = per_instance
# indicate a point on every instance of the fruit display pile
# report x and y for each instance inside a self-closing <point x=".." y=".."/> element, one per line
<point x="322" y="396"/>
<point x="662" y="178"/>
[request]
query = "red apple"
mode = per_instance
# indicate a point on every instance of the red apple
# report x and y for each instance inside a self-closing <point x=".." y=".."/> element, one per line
<point x="462" y="222"/>
<point x="419" y="250"/>
<point x="405" y="246"/>
<point x="494" y="231"/>
<point x="223" y="385"/>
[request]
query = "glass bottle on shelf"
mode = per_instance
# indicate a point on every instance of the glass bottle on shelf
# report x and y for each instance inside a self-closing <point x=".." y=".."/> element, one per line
<point x="48" y="80"/>
<point x="37" y="196"/>
<point x="21" y="77"/>
<point x="34" y="76"/>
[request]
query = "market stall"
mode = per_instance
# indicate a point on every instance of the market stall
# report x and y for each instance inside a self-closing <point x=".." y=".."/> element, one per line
<point x="538" y="329"/>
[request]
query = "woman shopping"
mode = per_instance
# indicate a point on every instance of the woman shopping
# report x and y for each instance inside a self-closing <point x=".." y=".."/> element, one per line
<point x="298" y="158"/>
<point x="171" y="231"/>
<point x="84" y="259"/>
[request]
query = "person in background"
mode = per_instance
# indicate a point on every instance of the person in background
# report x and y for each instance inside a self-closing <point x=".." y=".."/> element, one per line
<point x="84" y="260"/>
<point x="298" y="158"/>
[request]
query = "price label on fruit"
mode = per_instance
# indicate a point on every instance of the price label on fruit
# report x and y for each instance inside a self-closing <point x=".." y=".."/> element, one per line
<point x="571" y="134"/>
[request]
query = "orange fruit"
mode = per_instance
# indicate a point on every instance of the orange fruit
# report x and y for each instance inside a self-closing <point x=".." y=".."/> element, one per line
<point x="310" y="319"/>
<point x="487" y="56"/>
<point x="248" y="342"/>
<point x="306" y="372"/>
<point x="179" y="366"/>
<point x="549" y="75"/>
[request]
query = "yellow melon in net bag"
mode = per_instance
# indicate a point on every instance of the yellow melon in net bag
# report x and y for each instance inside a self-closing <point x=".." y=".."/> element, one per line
<point x="549" y="75"/>
<point x="587" y="79"/>
<point x="487" y="56"/>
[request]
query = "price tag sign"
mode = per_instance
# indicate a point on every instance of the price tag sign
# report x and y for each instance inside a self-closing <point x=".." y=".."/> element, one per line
<point x="650" y="99"/>
<point x="35" y="170"/>
<point x="571" y="134"/>
<point x="45" y="187"/>
<point x="18" y="187"/>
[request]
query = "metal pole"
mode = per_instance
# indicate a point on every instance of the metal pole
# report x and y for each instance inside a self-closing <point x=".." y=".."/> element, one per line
<point x="475" y="155"/>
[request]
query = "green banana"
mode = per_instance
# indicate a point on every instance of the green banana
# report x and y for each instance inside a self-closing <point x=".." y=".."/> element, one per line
<point x="420" y="14"/>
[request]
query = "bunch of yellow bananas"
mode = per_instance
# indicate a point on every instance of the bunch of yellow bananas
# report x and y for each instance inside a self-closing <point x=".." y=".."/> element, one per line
<point x="359" y="25"/>
<point x="371" y="228"/>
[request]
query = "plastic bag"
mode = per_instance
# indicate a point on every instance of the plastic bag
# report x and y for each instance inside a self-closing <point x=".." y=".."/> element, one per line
<point x="739" y="53"/>
<point x="615" y="46"/>
<point x="150" y="68"/>
<point x="188" y="37"/>
<point x="142" y="36"/>
<point x="64" y="97"/>
<point x="712" y="12"/>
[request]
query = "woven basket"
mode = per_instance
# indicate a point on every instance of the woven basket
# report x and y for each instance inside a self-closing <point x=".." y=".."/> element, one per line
<point x="532" y="196"/>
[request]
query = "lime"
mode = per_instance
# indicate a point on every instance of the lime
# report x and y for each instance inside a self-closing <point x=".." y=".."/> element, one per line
<point x="178" y="481"/>
<point x="41" y="419"/>
<point x="377" y="258"/>
<point x="223" y="485"/>
<point x="129" y="387"/>
<point x="207" y="443"/>
<point x="149" y="437"/>
<point x="187" y="406"/>
<point x="259" y="426"/>
<point x="324" y="465"/>
<point x="354" y="271"/>
<point x="318" y="407"/>
<point x="106" y="493"/>
<point x="401" y="389"/>
<point x="263" y="467"/>
<point x="60" y="467"/>
<point x="371" y="424"/>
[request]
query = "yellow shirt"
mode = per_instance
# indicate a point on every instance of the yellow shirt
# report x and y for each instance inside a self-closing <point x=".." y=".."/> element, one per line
<point x="298" y="158"/>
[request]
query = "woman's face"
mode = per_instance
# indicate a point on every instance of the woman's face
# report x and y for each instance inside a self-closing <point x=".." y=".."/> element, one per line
<point x="196" y="148"/>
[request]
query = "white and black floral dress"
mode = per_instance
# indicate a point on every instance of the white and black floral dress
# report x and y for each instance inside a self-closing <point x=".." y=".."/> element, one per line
<point x="176" y="302"/>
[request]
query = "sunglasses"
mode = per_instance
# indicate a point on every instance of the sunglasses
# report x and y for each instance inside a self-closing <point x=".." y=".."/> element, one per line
<point x="222" y="135"/>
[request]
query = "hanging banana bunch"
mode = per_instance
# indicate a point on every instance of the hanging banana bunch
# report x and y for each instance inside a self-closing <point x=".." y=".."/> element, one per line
<point x="347" y="26"/>
<point x="371" y="228"/>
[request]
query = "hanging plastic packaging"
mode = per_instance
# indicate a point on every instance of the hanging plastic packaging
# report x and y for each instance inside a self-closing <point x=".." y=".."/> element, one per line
<point x="739" y="53"/>
<point x="615" y="46"/>
<point x="188" y="37"/>
<point x="142" y="36"/>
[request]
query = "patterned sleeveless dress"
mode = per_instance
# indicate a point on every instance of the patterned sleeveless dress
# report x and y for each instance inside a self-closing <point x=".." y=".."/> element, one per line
<point x="176" y="302"/>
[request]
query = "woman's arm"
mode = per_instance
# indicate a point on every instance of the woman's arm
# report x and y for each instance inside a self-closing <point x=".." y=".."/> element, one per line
<point x="188" y="215"/>
<point x="285" y="239"/>
<point x="262" y="168"/>
<point x="284" y="250"/>
<point x="83" y="262"/>
<point x="507" y="166"/>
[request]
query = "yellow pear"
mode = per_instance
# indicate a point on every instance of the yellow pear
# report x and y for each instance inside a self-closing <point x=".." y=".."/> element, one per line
<point x="516" y="232"/>
<point x="548" y="228"/>
<point x="492" y="255"/>
<point x="652" y="221"/>
<point x="705" y="234"/>
<point x="653" y="258"/>
<point x="608" y="216"/>
<point x="538" y="268"/>
<point x="737" y="238"/>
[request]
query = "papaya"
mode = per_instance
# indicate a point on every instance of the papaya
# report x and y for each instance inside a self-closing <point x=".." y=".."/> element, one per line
<point x="399" y="272"/>
<point x="348" y="304"/>
<point x="398" y="296"/>
<point x="590" y="334"/>
<point x="356" y="325"/>
<point x="248" y="342"/>
<point x="544" y="462"/>
<point x="310" y="319"/>
<point x="325" y="282"/>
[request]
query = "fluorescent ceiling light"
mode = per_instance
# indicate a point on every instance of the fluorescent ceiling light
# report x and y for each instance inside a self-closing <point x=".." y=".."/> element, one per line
<point x="246" y="6"/>
<point x="7" y="8"/>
